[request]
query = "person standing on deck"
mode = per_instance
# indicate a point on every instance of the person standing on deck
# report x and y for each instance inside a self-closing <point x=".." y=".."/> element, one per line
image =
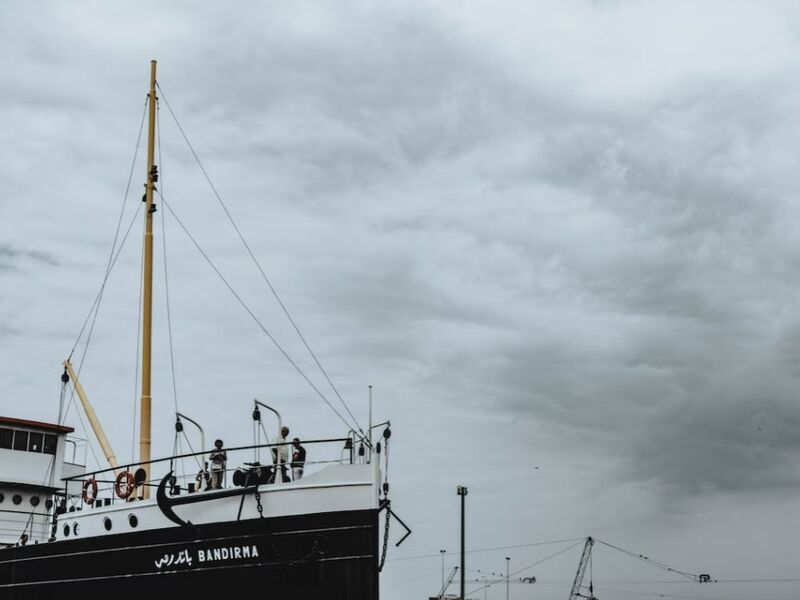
<point x="280" y="454"/>
<point x="298" y="459"/>
<point x="218" y="458"/>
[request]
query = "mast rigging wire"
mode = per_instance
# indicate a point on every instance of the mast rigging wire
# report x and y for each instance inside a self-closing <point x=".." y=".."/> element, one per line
<point x="531" y="545"/>
<point x="530" y="566"/>
<point x="166" y="272"/>
<point x="112" y="261"/>
<point x="257" y="264"/>
<point x="251" y="313"/>
<point x="111" y="258"/>
<point x="651" y="562"/>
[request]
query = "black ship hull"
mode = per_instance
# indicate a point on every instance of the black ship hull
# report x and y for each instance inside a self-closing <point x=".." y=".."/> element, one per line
<point x="327" y="555"/>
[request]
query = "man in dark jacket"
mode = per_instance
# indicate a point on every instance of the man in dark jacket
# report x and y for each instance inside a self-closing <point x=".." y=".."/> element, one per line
<point x="298" y="459"/>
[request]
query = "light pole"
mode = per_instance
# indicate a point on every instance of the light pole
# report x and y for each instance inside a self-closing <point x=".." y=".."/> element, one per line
<point x="442" y="551"/>
<point x="508" y="562"/>
<point x="462" y="491"/>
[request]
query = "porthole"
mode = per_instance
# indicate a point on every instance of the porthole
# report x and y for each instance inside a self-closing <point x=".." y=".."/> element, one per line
<point x="2" y="497"/>
<point x="76" y="528"/>
<point x="48" y="504"/>
<point x="133" y="520"/>
<point x="17" y="499"/>
<point x="107" y="524"/>
<point x="35" y="500"/>
<point x="66" y="530"/>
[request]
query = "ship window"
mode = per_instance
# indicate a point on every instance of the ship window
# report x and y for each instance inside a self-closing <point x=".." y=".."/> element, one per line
<point x="107" y="524"/>
<point x="35" y="442"/>
<point x="35" y="500"/>
<point x="20" y="440"/>
<point x="6" y="438"/>
<point x="66" y="530"/>
<point x="48" y="504"/>
<point x="76" y="528"/>
<point x="133" y="520"/>
<point x="50" y="444"/>
<point x="2" y="497"/>
<point x="17" y="499"/>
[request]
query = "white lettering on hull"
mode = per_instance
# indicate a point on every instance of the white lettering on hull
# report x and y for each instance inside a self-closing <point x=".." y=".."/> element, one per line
<point x="208" y="555"/>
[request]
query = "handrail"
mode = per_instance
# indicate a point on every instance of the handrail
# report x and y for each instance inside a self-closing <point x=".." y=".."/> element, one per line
<point x="83" y="476"/>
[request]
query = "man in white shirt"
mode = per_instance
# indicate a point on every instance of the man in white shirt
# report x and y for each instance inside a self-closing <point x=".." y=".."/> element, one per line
<point x="280" y="454"/>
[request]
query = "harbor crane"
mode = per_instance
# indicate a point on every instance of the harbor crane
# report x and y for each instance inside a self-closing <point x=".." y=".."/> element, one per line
<point x="442" y="593"/>
<point x="577" y="586"/>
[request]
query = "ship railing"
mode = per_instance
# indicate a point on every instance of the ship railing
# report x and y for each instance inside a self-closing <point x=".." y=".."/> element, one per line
<point x="15" y="522"/>
<point x="245" y="466"/>
<point x="75" y="450"/>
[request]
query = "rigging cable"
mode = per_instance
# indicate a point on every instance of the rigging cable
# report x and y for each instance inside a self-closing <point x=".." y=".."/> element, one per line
<point x="166" y="273"/>
<point x="649" y="561"/>
<point x="94" y="319"/>
<point x="251" y="313"/>
<point x="518" y="571"/>
<point x="112" y="261"/>
<point x="257" y="264"/>
<point x="531" y="545"/>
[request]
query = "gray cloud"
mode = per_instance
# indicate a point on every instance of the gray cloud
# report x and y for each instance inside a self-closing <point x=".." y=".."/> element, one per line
<point x="567" y="234"/>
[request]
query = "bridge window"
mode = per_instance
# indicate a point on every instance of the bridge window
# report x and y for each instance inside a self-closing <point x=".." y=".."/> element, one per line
<point x="20" y="440"/>
<point x="50" y="444"/>
<point x="6" y="438"/>
<point x="35" y="442"/>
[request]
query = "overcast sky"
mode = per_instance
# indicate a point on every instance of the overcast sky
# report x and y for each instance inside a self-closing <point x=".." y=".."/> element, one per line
<point x="559" y="238"/>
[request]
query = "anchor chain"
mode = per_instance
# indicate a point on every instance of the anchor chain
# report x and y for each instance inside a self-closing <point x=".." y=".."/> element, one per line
<point x="258" y="504"/>
<point x="385" y="538"/>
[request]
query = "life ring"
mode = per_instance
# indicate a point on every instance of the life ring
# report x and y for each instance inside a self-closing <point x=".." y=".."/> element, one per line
<point x="87" y="485"/>
<point x="125" y="484"/>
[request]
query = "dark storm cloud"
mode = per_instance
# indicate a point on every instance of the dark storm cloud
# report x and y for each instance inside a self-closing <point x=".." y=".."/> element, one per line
<point x="567" y="229"/>
<point x="613" y="269"/>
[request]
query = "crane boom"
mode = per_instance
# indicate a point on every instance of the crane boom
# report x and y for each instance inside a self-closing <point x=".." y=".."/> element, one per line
<point x="447" y="583"/>
<point x="578" y="583"/>
<point x="90" y="414"/>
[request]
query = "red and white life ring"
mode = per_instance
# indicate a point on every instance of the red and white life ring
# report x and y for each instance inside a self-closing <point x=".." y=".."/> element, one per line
<point x="89" y="484"/>
<point x="125" y="484"/>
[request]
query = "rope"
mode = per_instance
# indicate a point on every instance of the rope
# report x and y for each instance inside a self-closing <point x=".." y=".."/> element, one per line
<point x="110" y="264"/>
<point x="531" y="545"/>
<point x="258" y="265"/>
<point x="252" y="315"/>
<point x="166" y="272"/>
<point x="112" y="261"/>
<point x="649" y="561"/>
<point x="517" y="572"/>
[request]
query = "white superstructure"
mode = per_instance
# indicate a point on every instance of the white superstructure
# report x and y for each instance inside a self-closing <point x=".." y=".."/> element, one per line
<point x="34" y="458"/>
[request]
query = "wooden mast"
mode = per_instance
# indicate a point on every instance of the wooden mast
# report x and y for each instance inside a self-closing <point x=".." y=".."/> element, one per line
<point x="147" y="308"/>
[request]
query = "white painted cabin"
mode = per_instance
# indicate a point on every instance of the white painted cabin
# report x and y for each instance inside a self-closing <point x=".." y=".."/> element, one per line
<point x="34" y="458"/>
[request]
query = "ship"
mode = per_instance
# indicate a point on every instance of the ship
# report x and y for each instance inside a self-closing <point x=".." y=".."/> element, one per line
<point x="145" y="529"/>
